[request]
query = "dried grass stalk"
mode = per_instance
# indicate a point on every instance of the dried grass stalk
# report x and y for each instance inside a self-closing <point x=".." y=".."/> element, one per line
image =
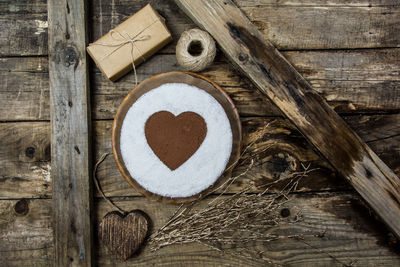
<point x="237" y="218"/>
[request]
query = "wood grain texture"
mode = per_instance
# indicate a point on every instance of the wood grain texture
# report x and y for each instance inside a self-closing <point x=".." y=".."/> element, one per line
<point x="70" y="139"/>
<point x="274" y="76"/>
<point x="354" y="81"/>
<point x="26" y="232"/>
<point x="25" y="160"/>
<point x="351" y="82"/>
<point x="340" y="225"/>
<point x="323" y="24"/>
<point x="335" y="224"/>
<point x="24" y="30"/>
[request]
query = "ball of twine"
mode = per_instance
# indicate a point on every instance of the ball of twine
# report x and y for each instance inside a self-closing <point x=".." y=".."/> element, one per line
<point x="187" y="55"/>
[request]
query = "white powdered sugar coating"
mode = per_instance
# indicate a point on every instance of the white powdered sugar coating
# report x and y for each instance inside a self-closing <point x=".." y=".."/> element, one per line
<point x="203" y="168"/>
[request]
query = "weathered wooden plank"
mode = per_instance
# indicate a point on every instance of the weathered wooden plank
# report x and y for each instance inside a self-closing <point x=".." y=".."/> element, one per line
<point x="25" y="160"/>
<point x="274" y="76"/>
<point x="23" y="34"/>
<point x="322" y="3"/>
<point x="363" y="26"/>
<point x="290" y="25"/>
<point x="70" y="133"/>
<point x="333" y="224"/>
<point x="25" y="155"/>
<point x="322" y="24"/>
<point x="23" y="7"/>
<point x="26" y="233"/>
<point x="24" y="91"/>
<point x="24" y="28"/>
<point x="339" y="225"/>
<point x="351" y="81"/>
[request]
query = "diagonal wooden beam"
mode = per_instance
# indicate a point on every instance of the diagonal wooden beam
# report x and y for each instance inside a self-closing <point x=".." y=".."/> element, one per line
<point x="274" y="76"/>
<point x="70" y="145"/>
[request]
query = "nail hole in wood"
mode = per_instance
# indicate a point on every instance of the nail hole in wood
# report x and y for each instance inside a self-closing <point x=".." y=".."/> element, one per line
<point x="22" y="207"/>
<point x="368" y="173"/>
<point x="30" y="152"/>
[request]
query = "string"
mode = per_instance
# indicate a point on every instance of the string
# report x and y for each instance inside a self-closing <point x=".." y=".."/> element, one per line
<point x="97" y="183"/>
<point x="195" y="62"/>
<point x="123" y="40"/>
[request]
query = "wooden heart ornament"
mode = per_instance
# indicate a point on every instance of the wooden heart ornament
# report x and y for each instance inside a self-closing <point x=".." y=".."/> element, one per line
<point x="123" y="234"/>
<point x="175" y="139"/>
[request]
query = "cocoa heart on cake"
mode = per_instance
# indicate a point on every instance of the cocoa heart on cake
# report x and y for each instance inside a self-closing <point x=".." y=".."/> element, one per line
<point x="176" y="136"/>
<point x="175" y="139"/>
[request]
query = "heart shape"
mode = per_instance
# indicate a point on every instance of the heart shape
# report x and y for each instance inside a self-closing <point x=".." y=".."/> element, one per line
<point x="124" y="234"/>
<point x="175" y="139"/>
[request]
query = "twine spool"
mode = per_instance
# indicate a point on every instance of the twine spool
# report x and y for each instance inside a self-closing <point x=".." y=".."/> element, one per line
<point x="195" y="50"/>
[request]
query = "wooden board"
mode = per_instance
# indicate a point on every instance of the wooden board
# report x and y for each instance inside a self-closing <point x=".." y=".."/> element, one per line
<point x="25" y="160"/>
<point x="323" y="24"/>
<point x="336" y="225"/>
<point x="355" y="81"/>
<point x="70" y="133"/>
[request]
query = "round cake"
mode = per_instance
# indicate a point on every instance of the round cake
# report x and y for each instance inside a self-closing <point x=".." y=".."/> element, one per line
<point x="176" y="136"/>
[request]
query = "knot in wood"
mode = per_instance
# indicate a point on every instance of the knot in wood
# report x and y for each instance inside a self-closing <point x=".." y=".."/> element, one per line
<point x="30" y="152"/>
<point x="285" y="212"/>
<point x="70" y="56"/>
<point x="243" y="57"/>
<point x="22" y="207"/>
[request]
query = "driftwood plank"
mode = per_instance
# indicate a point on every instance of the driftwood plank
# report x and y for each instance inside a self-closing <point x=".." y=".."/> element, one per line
<point x="70" y="118"/>
<point x="273" y="75"/>
<point x="25" y="155"/>
<point x="351" y="81"/>
<point x="333" y="224"/>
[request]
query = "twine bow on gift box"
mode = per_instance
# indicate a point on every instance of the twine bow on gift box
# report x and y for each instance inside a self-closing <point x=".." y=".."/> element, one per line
<point x="123" y="40"/>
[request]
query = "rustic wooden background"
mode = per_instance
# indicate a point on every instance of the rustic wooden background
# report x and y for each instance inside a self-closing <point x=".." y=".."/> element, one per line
<point x="347" y="49"/>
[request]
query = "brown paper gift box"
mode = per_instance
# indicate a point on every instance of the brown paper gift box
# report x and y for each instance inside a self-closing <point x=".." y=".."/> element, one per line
<point x="113" y="52"/>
